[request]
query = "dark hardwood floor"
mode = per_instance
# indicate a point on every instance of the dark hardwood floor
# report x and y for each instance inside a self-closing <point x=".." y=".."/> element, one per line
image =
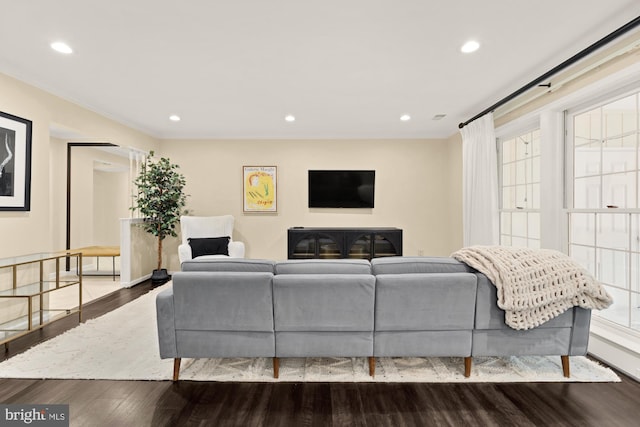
<point x="162" y="403"/>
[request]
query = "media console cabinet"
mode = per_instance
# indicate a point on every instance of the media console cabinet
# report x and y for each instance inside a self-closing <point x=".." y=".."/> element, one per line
<point x="333" y="243"/>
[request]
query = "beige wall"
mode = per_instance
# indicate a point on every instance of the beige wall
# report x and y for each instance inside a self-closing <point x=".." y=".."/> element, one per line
<point x="39" y="229"/>
<point x="110" y="203"/>
<point x="412" y="189"/>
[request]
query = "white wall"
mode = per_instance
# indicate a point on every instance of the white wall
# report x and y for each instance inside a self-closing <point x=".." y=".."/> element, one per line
<point x="412" y="188"/>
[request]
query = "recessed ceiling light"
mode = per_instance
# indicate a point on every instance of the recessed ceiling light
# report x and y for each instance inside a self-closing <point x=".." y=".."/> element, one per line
<point x="61" y="47"/>
<point x="470" y="46"/>
<point x="290" y="118"/>
<point x="174" y="118"/>
<point x="405" y="117"/>
<point x="439" y="116"/>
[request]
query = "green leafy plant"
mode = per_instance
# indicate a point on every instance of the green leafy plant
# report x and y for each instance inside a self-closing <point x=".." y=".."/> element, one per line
<point x="160" y="198"/>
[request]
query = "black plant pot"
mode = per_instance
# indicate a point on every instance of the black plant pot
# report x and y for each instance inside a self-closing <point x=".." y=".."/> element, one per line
<point x="159" y="277"/>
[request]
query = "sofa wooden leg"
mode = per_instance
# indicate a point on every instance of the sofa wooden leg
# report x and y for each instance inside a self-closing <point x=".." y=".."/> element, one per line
<point x="176" y="368"/>
<point x="276" y="367"/>
<point x="372" y="366"/>
<point x="565" y="366"/>
<point x="467" y="366"/>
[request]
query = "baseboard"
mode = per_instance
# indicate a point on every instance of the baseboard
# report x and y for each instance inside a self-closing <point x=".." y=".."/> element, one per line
<point x="136" y="281"/>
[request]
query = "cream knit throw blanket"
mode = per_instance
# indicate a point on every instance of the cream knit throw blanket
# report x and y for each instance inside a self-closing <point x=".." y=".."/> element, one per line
<point x="534" y="286"/>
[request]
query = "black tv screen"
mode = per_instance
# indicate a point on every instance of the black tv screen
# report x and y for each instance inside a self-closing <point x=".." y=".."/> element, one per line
<point x="341" y="188"/>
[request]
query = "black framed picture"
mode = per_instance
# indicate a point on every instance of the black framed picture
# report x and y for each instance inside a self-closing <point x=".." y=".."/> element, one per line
<point x="15" y="163"/>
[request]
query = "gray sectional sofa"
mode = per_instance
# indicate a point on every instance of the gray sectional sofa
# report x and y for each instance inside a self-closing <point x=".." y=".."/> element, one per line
<point x="397" y="306"/>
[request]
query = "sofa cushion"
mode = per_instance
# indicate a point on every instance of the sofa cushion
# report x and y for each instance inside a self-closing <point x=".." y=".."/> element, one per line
<point x="209" y="246"/>
<point x="229" y="264"/>
<point x="324" y="302"/>
<point x="223" y="301"/>
<point x="323" y="266"/>
<point x="401" y="265"/>
<point x="425" y="302"/>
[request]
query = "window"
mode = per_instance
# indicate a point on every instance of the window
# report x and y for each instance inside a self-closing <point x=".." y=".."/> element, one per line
<point x="604" y="229"/>
<point x="519" y="172"/>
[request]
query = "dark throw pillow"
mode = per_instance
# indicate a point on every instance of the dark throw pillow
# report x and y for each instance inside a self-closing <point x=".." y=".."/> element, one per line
<point x="209" y="246"/>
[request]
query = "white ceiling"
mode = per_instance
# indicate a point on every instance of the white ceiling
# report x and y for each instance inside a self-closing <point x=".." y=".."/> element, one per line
<point x="344" y="68"/>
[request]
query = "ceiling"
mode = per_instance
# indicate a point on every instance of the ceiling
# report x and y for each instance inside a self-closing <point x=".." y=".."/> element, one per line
<point x="343" y="68"/>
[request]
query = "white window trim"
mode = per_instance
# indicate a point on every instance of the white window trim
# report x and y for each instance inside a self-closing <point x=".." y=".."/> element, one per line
<point x="614" y="344"/>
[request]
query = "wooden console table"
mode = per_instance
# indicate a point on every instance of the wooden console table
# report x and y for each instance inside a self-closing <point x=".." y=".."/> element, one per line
<point x="100" y="251"/>
<point x="28" y="279"/>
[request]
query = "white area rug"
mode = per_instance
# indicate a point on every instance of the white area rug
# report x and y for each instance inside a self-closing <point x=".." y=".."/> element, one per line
<point x="123" y="345"/>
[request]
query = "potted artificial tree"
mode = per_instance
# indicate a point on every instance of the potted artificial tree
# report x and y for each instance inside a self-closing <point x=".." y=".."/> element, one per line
<point x="160" y="201"/>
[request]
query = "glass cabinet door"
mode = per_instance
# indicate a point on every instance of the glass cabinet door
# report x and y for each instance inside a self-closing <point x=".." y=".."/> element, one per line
<point x="328" y="248"/>
<point x="305" y="248"/>
<point x="361" y="247"/>
<point x="383" y="247"/>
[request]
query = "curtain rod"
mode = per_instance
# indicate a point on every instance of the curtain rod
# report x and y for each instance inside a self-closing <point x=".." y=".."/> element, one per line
<point x="575" y="58"/>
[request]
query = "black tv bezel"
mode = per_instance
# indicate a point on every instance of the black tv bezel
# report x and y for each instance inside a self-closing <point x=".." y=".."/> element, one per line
<point x="340" y="204"/>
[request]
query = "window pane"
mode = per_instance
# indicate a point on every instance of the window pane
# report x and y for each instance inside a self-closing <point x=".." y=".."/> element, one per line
<point x="635" y="232"/>
<point x="535" y="196"/>
<point x="616" y="157"/>
<point x="586" y="193"/>
<point x="619" y="190"/>
<point x="585" y="256"/>
<point x="509" y="174"/>
<point x="519" y="241"/>
<point x="519" y="225"/>
<point x="508" y="151"/>
<point x="521" y="175"/>
<point x="534" y="225"/>
<point x="533" y="243"/>
<point x="613" y="267"/>
<point x="634" y="280"/>
<point x="521" y="197"/>
<point x="620" y="116"/>
<point x="587" y="161"/>
<point x="509" y="198"/>
<point x="587" y="126"/>
<point x="583" y="229"/>
<point x="535" y="142"/>
<point x="505" y="223"/>
<point x="613" y="231"/>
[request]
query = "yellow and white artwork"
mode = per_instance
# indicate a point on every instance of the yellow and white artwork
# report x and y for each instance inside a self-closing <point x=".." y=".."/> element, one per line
<point x="260" y="186"/>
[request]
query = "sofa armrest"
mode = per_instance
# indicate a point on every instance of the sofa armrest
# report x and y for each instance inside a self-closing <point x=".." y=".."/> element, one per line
<point x="236" y="249"/>
<point x="166" y="324"/>
<point x="184" y="252"/>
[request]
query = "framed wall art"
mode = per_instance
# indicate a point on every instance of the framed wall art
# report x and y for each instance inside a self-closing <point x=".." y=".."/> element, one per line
<point x="260" y="188"/>
<point x="15" y="163"/>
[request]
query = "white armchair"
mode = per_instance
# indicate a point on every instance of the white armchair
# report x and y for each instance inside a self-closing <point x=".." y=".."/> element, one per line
<point x="207" y="226"/>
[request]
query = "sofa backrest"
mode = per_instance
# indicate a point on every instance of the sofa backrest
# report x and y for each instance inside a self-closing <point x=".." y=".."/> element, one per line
<point x="229" y="264"/>
<point x="323" y="266"/>
<point x="223" y="301"/>
<point x="323" y="302"/>
<point x="402" y="265"/>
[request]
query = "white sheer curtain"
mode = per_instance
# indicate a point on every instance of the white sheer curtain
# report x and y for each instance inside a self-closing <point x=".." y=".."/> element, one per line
<point x="480" y="183"/>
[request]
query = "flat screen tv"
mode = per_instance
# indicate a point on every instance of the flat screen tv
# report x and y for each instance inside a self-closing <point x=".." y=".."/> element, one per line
<point x="341" y="188"/>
